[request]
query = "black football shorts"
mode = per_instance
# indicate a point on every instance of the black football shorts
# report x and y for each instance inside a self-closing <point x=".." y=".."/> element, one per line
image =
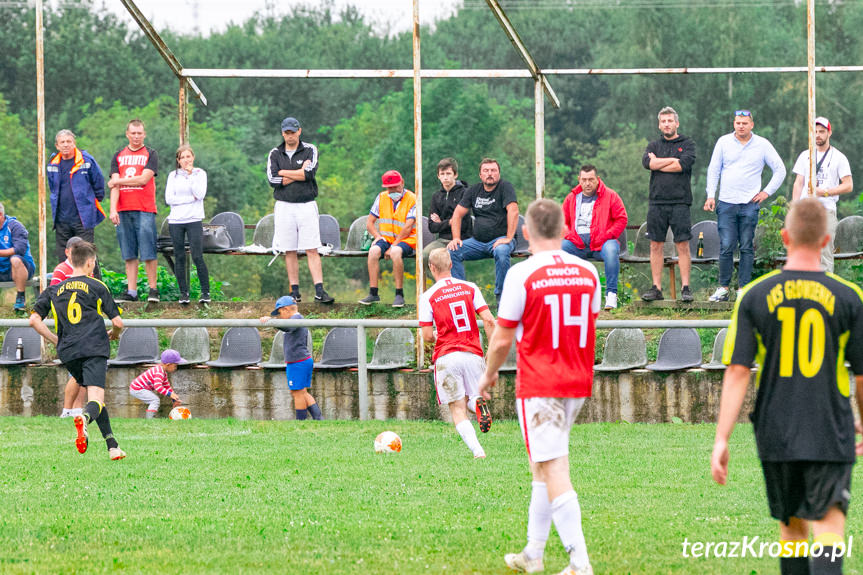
<point x="806" y="489"/>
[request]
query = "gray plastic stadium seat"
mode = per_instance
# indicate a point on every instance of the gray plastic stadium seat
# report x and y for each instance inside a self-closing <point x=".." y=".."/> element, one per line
<point x="340" y="349"/>
<point x="32" y="352"/>
<point x="394" y="348"/>
<point x="137" y="345"/>
<point x="716" y="358"/>
<point x="330" y="233"/>
<point x="263" y="235"/>
<point x="849" y="238"/>
<point x="521" y="245"/>
<point x="641" y="249"/>
<point x="624" y="350"/>
<point x="679" y="348"/>
<point x="509" y="364"/>
<point x="236" y="228"/>
<point x="624" y="246"/>
<point x="711" y="242"/>
<point x="277" y="352"/>
<point x="354" y="241"/>
<point x="240" y="346"/>
<point x="193" y="343"/>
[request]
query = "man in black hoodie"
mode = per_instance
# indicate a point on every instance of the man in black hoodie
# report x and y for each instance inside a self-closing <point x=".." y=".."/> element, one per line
<point x="669" y="160"/>
<point x="291" y="169"/>
<point x="443" y="204"/>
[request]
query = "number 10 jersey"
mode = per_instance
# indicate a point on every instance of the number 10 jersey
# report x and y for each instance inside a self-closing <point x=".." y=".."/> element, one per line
<point x="800" y="327"/>
<point x="77" y="305"/>
<point x="552" y="300"/>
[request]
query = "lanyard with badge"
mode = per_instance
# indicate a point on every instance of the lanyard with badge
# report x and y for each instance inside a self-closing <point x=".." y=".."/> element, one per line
<point x="818" y="166"/>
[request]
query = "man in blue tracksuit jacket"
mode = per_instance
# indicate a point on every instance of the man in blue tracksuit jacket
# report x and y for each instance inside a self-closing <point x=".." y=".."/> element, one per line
<point x="77" y="186"/>
<point x="16" y="263"/>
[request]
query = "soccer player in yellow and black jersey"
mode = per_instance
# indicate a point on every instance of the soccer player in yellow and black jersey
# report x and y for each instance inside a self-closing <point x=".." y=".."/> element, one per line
<point x="800" y="324"/>
<point x="77" y="305"/>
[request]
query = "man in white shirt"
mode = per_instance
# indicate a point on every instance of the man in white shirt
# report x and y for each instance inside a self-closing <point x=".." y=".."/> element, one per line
<point x="738" y="161"/>
<point x="833" y="175"/>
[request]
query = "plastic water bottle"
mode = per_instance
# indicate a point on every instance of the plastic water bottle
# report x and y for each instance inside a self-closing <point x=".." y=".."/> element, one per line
<point x="19" y="350"/>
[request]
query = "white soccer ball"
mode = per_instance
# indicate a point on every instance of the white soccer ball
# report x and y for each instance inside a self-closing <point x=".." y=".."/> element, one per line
<point x="180" y="413"/>
<point x="388" y="442"/>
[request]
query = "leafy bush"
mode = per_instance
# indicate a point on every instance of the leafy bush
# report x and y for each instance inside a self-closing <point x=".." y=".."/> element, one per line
<point x="165" y="281"/>
<point x="768" y="240"/>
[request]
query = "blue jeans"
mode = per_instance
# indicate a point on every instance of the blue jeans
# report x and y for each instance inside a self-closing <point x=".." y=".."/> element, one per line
<point x="736" y="224"/>
<point x="473" y="249"/>
<point x="136" y="235"/>
<point x="609" y="254"/>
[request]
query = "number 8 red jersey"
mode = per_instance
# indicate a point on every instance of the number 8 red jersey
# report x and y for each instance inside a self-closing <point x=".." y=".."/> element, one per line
<point x="451" y="306"/>
<point x="552" y="299"/>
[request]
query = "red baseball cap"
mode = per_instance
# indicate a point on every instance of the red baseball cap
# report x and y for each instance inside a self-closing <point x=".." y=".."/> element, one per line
<point x="822" y="121"/>
<point x="391" y="179"/>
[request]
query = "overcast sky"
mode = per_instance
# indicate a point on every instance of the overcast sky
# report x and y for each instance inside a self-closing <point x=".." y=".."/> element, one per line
<point x="179" y="15"/>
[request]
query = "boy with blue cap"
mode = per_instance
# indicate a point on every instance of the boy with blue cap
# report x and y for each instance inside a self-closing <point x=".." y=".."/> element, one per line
<point x="298" y="358"/>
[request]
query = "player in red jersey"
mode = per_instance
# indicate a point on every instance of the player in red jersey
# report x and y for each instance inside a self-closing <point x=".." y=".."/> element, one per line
<point x="451" y="305"/>
<point x="549" y="304"/>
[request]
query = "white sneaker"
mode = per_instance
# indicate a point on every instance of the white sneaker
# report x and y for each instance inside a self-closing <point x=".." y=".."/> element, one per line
<point x="520" y="562"/>
<point x="572" y="571"/>
<point x="721" y="294"/>
<point x="67" y="413"/>
<point x="611" y="300"/>
<point x="116" y="453"/>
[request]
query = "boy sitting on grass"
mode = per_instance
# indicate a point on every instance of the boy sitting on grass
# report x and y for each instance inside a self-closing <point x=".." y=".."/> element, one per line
<point x="155" y="379"/>
<point x="298" y="358"/>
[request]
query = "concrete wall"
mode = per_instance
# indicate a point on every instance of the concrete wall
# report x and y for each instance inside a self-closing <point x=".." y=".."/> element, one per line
<point x="635" y="396"/>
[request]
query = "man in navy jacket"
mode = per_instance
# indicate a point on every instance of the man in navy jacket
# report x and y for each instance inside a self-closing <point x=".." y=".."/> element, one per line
<point x="16" y="263"/>
<point x="77" y="186"/>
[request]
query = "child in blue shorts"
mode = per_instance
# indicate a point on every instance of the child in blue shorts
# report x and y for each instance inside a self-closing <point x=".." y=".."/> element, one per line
<point x="298" y="359"/>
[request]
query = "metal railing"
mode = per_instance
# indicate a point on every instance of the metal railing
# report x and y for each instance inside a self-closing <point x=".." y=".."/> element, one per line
<point x="361" y="325"/>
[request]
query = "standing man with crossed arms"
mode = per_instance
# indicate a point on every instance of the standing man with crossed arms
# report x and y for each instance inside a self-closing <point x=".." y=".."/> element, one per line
<point x="833" y="175"/>
<point x="291" y="169"/>
<point x="549" y="304"/>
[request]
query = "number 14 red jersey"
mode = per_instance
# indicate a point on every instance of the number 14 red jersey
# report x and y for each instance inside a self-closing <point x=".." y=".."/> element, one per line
<point x="552" y="299"/>
<point x="451" y="306"/>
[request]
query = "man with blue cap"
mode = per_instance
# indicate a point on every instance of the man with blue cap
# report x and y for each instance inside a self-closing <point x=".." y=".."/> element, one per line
<point x="291" y="169"/>
<point x="298" y="358"/>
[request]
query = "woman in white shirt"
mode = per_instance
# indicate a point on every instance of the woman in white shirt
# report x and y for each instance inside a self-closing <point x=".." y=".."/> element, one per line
<point x="184" y="193"/>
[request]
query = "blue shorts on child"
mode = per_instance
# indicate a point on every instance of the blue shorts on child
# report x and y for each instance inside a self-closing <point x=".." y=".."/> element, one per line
<point x="300" y="374"/>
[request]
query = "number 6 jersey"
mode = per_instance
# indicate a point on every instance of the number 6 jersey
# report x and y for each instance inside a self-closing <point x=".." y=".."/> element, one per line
<point x="451" y="306"/>
<point x="800" y="327"/>
<point x="552" y="299"/>
<point x="77" y="305"/>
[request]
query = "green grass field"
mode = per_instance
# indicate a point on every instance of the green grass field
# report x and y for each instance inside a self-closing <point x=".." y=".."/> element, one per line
<point x="224" y="496"/>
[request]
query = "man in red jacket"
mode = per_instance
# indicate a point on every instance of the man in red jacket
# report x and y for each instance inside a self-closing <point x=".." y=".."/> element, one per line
<point x="594" y="217"/>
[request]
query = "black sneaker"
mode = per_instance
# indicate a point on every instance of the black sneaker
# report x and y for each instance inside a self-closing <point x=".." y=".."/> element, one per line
<point x="184" y="299"/>
<point x="686" y="295"/>
<point x="370" y="299"/>
<point x="653" y="294"/>
<point x="153" y="296"/>
<point x="126" y="296"/>
<point x="205" y="298"/>
<point x="297" y="297"/>
<point x="324" y="298"/>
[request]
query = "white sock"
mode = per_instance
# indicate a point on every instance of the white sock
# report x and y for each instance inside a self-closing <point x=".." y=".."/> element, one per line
<point x="76" y="411"/>
<point x="66" y="412"/>
<point x="538" y="521"/>
<point x="468" y="434"/>
<point x="566" y="513"/>
<point x="471" y="404"/>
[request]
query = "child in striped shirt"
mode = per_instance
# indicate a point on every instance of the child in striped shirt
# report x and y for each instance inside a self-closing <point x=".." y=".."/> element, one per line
<point x="154" y="381"/>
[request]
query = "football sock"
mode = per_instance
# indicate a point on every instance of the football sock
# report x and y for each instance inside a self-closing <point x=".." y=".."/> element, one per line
<point x="373" y="291"/>
<point x="538" y="521"/>
<point x="151" y="414"/>
<point x="66" y="412"/>
<point x="468" y="434"/>
<point x="823" y="565"/>
<point x="295" y="289"/>
<point x="315" y="411"/>
<point x="400" y="291"/>
<point x="76" y="411"/>
<point x="794" y="565"/>
<point x="566" y="514"/>
<point x="92" y="410"/>
<point x="471" y="404"/>
<point x="21" y="295"/>
<point x="319" y="289"/>
<point x="133" y="292"/>
<point x="105" y="427"/>
<point x="301" y="414"/>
